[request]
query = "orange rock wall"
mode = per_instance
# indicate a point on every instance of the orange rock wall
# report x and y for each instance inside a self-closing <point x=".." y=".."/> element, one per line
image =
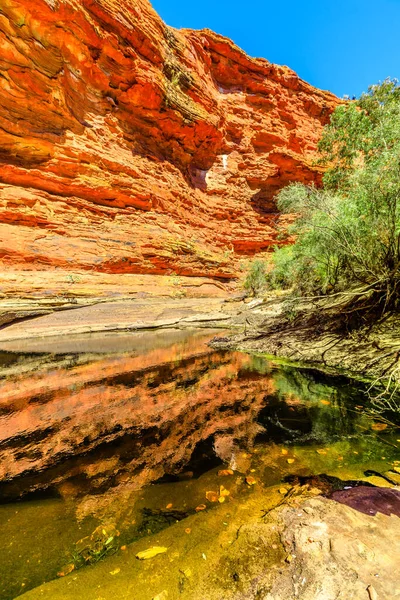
<point x="127" y="146"/>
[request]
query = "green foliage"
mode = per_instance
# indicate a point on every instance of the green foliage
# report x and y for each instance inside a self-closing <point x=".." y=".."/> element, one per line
<point x="361" y="133"/>
<point x="91" y="549"/>
<point x="288" y="271"/>
<point x="256" y="278"/>
<point x="348" y="233"/>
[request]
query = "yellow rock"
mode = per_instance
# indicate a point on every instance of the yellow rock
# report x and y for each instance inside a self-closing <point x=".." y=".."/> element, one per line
<point x="151" y="552"/>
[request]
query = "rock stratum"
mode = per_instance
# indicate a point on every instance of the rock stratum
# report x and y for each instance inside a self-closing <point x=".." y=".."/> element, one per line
<point x="129" y="147"/>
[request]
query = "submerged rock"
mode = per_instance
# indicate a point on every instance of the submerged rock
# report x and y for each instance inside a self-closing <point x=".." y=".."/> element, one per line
<point x="309" y="548"/>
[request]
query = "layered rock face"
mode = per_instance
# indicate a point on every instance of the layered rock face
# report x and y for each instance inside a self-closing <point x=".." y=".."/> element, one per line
<point x="127" y="146"/>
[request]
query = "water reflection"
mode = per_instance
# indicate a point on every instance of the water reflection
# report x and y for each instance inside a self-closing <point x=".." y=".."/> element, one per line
<point x="87" y="425"/>
<point x="83" y="424"/>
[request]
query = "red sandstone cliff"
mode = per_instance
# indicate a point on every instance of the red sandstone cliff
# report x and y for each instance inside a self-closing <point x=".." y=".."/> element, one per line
<point x="127" y="146"/>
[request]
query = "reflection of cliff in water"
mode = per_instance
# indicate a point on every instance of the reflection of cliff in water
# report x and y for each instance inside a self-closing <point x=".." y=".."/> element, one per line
<point x="76" y="426"/>
<point x="80" y="423"/>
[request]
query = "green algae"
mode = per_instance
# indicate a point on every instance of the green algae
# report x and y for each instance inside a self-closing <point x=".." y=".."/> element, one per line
<point x="223" y="549"/>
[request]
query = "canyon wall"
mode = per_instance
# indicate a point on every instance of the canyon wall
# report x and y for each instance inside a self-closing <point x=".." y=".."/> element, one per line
<point x="129" y="147"/>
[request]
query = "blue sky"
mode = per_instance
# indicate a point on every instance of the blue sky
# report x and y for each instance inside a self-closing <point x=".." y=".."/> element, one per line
<point x="337" y="45"/>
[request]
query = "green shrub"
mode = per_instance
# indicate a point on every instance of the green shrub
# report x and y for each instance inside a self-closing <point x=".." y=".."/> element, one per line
<point x="348" y="233"/>
<point x="281" y="276"/>
<point x="256" y="277"/>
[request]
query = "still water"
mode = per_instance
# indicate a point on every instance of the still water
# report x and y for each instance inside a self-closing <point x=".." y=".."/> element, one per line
<point x="111" y="438"/>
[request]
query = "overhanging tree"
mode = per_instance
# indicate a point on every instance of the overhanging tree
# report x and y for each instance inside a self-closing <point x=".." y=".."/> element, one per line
<point x="348" y="232"/>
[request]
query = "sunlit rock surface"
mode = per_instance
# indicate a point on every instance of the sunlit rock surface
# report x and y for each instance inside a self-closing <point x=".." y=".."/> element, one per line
<point x="129" y="147"/>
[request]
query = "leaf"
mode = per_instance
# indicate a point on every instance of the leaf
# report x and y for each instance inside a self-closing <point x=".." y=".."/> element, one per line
<point x="223" y="491"/>
<point x="212" y="496"/>
<point x="325" y="402"/>
<point x="110" y="539"/>
<point x="162" y="596"/>
<point x="151" y="552"/>
<point x="200" y="507"/>
<point x="116" y="571"/>
<point x="66" y="570"/>
<point x="379" y="426"/>
<point x="289" y="558"/>
<point x="225" y="472"/>
<point x="282" y="491"/>
<point x="250" y="480"/>
<point x="284" y="451"/>
<point x="170" y="505"/>
<point x="187" y="573"/>
<point x="290" y="460"/>
<point x="321" y="451"/>
<point x="221" y="499"/>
